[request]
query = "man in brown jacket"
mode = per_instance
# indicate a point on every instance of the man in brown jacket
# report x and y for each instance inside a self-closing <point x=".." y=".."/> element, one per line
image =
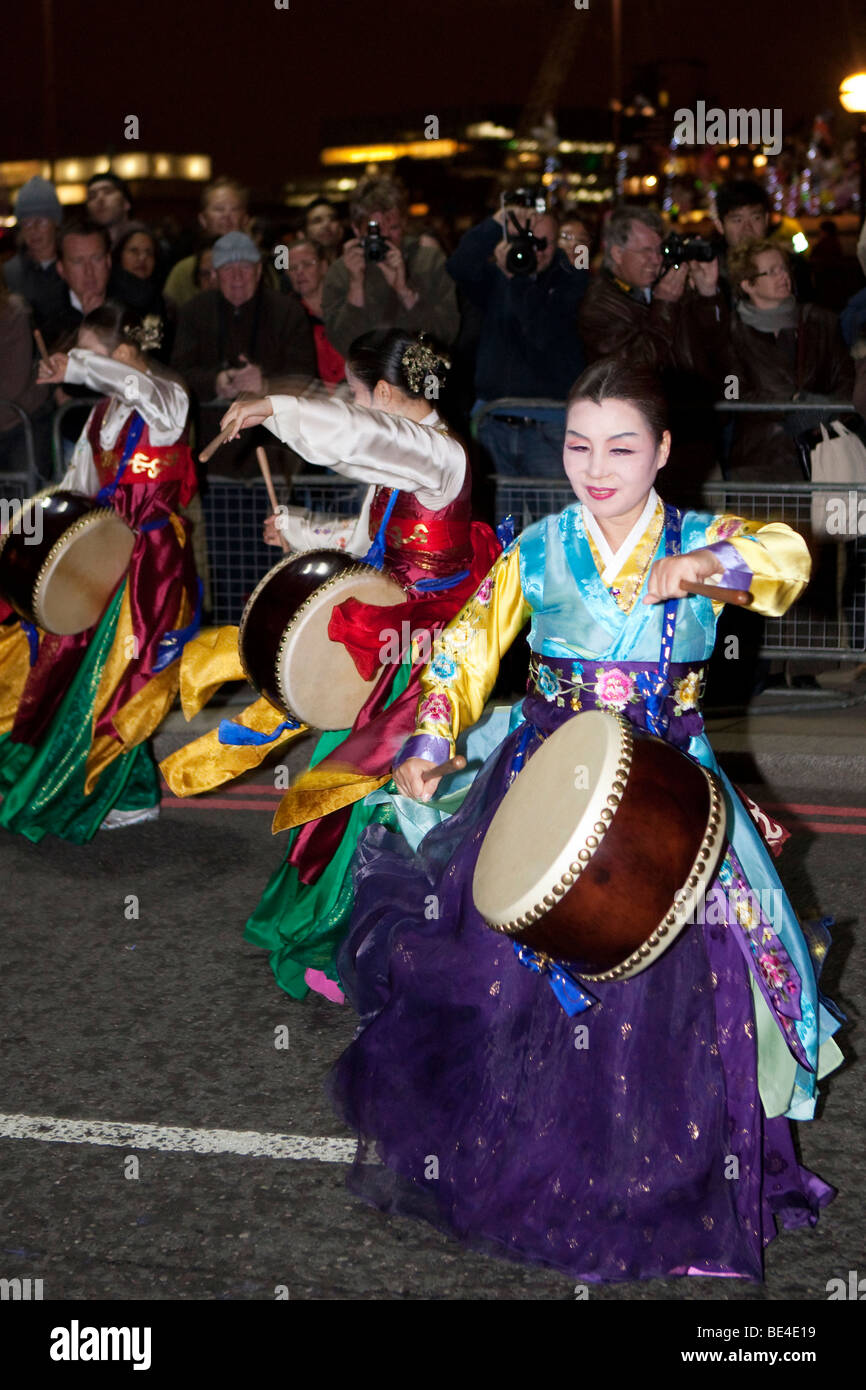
<point x="627" y="310"/>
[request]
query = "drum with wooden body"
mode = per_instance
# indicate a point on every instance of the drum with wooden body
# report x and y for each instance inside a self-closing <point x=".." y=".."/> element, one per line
<point x="283" y="639"/>
<point x="62" y="559"/>
<point x="601" y="848"/>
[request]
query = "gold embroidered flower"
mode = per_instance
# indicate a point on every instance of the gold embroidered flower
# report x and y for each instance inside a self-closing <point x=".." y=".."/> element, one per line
<point x="686" y="691"/>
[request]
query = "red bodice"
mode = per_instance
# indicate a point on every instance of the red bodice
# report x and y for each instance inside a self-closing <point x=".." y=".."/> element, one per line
<point x="149" y="463"/>
<point x="419" y="542"/>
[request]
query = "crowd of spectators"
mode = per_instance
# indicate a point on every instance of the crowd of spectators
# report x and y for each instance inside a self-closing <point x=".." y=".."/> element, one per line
<point x="522" y="301"/>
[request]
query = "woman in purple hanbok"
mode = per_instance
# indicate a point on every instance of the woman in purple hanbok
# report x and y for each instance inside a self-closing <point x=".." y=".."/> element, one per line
<point x="647" y="1135"/>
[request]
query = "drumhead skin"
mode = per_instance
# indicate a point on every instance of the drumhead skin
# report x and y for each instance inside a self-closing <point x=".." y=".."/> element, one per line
<point x="283" y="638"/>
<point x="61" y="574"/>
<point x="600" y="850"/>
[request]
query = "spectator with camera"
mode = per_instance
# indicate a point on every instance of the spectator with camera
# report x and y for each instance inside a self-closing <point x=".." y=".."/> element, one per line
<point x="385" y="279"/>
<point x="527" y="291"/>
<point x="652" y="303"/>
<point x="632" y="309"/>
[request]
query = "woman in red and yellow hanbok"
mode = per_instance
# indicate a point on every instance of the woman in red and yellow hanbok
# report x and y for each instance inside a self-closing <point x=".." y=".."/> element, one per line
<point x="416" y="522"/>
<point x="76" y="712"/>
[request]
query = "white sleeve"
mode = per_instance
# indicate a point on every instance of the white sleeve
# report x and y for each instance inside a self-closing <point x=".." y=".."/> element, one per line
<point x="81" y="475"/>
<point x="372" y="446"/>
<point x="162" y="403"/>
<point x="306" y="530"/>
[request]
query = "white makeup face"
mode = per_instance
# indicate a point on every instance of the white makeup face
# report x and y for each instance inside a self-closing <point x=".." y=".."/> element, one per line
<point x="611" y="458"/>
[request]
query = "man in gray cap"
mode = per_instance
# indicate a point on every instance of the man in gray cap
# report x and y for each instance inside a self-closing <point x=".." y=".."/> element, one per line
<point x="241" y="337"/>
<point x="32" y="272"/>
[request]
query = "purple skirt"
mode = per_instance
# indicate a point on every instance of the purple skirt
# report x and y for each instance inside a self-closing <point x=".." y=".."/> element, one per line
<point x="626" y="1142"/>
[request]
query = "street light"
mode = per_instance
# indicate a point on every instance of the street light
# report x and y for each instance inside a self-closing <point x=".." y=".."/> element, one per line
<point x="852" y="95"/>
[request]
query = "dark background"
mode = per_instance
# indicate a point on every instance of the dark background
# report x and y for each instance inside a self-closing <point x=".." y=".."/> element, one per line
<point x="249" y="84"/>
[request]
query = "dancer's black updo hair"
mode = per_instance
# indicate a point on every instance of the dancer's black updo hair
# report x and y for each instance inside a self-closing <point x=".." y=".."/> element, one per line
<point x="406" y="360"/>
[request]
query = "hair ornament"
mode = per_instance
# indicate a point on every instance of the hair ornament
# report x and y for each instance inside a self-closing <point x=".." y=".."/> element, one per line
<point x="149" y="336"/>
<point x="419" y="361"/>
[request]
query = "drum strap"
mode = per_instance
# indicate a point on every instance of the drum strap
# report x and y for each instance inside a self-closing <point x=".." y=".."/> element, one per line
<point x="573" y="999"/>
<point x="376" y="554"/>
<point x="238" y="735"/>
<point x="136" y="426"/>
<point x="32" y="635"/>
<point x="172" y="643"/>
<point x="658" y="685"/>
<point x="433" y="585"/>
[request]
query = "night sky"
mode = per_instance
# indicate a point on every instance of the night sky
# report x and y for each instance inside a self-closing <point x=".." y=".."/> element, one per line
<point x="249" y="84"/>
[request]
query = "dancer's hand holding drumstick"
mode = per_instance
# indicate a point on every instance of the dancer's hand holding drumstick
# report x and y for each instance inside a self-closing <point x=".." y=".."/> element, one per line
<point x="280" y="539"/>
<point x="677" y="576"/>
<point x="241" y="415"/>
<point x="52" y="370"/>
<point x="419" y="778"/>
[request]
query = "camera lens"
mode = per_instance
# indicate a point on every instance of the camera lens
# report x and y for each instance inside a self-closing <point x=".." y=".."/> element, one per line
<point x="521" y="258"/>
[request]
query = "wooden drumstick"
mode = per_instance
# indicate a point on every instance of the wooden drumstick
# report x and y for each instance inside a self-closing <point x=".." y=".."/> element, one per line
<point x="211" y="448"/>
<point x="740" y="597"/>
<point x="42" y="349"/>
<point x="272" y="496"/>
<point x="442" y="769"/>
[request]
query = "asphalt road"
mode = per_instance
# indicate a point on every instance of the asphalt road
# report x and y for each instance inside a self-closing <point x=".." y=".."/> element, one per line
<point x="169" y="1019"/>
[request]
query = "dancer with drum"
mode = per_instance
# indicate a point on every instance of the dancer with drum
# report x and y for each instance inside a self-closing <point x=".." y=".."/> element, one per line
<point x="634" y="1124"/>
<point x="416" y="523"/>
<point x="76" y="710"/>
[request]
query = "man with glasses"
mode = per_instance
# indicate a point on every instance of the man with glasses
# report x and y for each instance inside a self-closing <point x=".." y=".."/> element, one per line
<point x="628" y="309"/>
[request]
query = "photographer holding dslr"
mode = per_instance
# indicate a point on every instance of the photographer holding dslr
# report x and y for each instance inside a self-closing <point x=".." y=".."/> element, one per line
<point x="635" y="307"/>
<point x="383" y="278"/>
<point x="528" y="293"/>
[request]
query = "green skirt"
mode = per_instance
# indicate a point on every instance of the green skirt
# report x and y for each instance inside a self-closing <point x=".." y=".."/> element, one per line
<point x="43" y="787"/>
<point x="303" y="925"/>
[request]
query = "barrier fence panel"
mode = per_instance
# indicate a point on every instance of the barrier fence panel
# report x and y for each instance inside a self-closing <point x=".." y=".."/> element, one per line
<point x="15" y="486"/>
<point x="235" y="513"/>
<point x="60" y="454"/>
<point x="830" y="619"/>
<point x="31" y="473"/>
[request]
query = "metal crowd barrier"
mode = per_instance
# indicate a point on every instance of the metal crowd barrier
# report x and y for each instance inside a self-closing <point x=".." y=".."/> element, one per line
<point x="81" y="403"/>
<point x="32" y="473"/>
<point x="235" y="513"/>
<point x="829" y="621"/>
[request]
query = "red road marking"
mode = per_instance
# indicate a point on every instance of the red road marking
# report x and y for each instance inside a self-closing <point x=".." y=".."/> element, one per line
<point x="214" y="803"/>
<point x="248" y="789"/>
<point x="824" y="829"/>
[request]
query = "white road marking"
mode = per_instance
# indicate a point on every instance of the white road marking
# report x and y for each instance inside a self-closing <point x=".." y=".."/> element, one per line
<point x="54" y="1130"/>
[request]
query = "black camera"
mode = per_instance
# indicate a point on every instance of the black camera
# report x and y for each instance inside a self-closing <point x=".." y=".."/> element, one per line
<point x="521" y="258"/>
<point x="676" y="250"/>
<point x="374" y="244"/>
<point x="533" y="198"/>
